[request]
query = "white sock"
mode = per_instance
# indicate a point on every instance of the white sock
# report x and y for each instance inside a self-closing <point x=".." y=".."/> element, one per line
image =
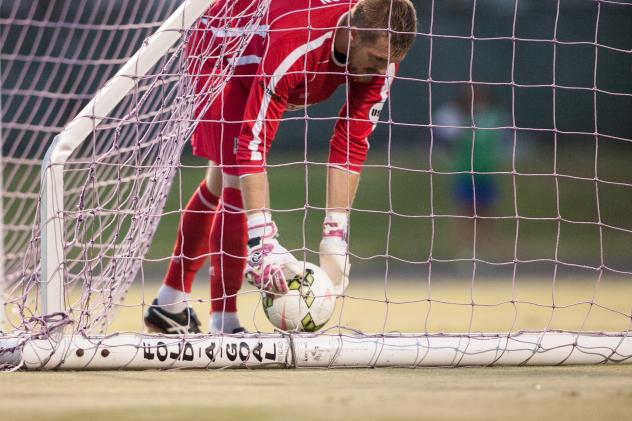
<point x="225" y="322"/>
<point x="171" y="299"/>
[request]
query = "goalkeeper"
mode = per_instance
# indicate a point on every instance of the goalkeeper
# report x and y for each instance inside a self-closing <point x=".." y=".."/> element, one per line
<point x="301" y="53"/>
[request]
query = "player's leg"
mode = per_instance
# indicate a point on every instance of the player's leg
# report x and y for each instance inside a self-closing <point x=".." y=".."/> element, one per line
<point x="192" y="241"/>
<point x="192" y="238"/>
<point x="229" y="237"/>
<point x="487" y="195"/>
<point x="477" y="195"/>
<point x="228" y="252"/>
<point x="170" y="312"/>
<point x="464" y="198"/>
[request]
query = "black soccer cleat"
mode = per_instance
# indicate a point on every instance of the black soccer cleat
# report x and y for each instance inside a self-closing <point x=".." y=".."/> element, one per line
<point x="239" y="330"/>
<point x="159" y="320"/>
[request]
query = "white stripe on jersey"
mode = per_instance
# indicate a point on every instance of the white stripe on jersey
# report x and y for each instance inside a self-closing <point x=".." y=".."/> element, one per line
<point x="390" y="72"/>
<point x="261" y="30"/>
<point x="376" y="109"/>
<point x="240" y="61"/>
<point x="279" y="72"/>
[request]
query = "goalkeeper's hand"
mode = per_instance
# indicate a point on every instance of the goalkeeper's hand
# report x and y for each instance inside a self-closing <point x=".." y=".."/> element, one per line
<point x="334" y="251"/>
<point x="265" y="261"/>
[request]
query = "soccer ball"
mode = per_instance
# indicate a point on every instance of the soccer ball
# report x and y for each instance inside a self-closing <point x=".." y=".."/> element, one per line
<point x="308" y="304"/>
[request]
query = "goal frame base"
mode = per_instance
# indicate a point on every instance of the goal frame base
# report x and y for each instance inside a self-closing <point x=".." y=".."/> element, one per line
<point x="301" y="350"/>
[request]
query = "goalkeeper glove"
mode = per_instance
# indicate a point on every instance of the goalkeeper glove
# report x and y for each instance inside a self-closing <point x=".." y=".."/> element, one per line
<point x="334" y="250"/>
<point x="266" y="257"/>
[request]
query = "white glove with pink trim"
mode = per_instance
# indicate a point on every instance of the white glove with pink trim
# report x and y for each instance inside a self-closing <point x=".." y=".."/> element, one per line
<point x="266" y="257"/>
<point x="334" y="250"/>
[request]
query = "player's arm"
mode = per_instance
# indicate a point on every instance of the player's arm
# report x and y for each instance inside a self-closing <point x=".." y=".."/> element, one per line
<point x="255" y="192"/>
<point x="348" y="148"/>
<point x="342" y="186"/>
<point x="281" y="69"/>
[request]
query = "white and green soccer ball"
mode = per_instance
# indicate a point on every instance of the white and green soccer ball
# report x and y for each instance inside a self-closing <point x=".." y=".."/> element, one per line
<point x="308" y="304"/>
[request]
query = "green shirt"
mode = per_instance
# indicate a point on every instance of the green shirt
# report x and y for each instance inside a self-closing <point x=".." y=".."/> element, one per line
<point x="487" y="145"/>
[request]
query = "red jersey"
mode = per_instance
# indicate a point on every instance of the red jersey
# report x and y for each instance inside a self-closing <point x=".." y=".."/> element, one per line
<point x="288" y="64"/>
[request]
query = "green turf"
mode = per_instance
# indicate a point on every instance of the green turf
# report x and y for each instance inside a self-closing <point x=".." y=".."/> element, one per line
<point x="525" y="393"/>
<point x="416" y="306"/>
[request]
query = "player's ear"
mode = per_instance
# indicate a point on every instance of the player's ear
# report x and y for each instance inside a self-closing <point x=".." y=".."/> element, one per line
<point x="353" y="34"/>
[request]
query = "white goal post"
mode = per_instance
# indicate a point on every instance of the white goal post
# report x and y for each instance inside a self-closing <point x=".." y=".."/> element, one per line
<point x="61" y="336"/>
<point x="139" y="352"/>
<point x="108" y="97"/>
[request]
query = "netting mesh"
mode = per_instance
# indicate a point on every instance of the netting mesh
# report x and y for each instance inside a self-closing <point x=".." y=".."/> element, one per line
<point x="496" y="196"/>
<point x="117" y="180"/>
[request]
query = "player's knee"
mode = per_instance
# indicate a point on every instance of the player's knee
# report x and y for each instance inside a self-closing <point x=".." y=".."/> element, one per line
<point x="231" y="181"/>
<point x="213" y="179"/>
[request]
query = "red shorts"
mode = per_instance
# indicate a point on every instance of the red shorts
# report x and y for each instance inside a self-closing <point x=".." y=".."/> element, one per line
<point x="217" y="140"/>
<point x="216" y="134"/>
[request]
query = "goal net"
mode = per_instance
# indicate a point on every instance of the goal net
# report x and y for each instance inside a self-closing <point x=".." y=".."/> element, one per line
<point x="491" y="225"/>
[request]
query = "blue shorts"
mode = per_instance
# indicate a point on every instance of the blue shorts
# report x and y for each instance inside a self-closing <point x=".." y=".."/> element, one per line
<point x="486" y="191"/>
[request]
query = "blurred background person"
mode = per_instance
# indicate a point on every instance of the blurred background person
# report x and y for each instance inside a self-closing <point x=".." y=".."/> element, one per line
<point x="476" y="146"/>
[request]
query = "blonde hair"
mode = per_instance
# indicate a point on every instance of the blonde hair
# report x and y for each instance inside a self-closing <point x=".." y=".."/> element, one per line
<point x="394" y="18"/>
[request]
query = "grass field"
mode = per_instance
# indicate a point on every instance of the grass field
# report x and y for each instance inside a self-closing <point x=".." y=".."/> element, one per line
<point x="530" y="393"/>
<point x="601" y="392"/>
<point x="441" y="306"/>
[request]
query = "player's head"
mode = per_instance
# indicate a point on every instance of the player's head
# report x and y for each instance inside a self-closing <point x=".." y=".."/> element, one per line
<point x="382" y="32"/>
